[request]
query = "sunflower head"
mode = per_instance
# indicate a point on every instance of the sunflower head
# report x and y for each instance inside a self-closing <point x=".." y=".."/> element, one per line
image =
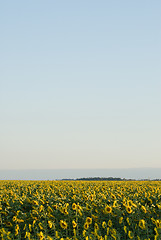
<point x="143" y="209"/>
<point x="109" y="223"/>
<point x="86" y="226"/>
<point x="89" y="220"/>
<point x="130" y="235"/>
<point x="142" y="224"/>
<point x="128" y="209"/>
<point x="108" y="209"/>
<point x="104" y="224"/>
<point x="74" y="206"/>
<point x="63" y="224"/>
<point x="74" y="224"/>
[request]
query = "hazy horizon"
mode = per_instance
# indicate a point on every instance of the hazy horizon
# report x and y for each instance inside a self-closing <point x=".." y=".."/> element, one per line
<point x="58" y="174"/>
<point x="80" y="84"/>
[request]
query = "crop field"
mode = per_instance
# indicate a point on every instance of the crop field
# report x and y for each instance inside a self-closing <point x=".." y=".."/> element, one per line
<point x="80" y="210"/>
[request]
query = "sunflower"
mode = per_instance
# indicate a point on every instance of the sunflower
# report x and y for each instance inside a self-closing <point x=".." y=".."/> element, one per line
<point x="27" y="235"/>
<point x="142" y="224"/>
<point x="40" y="226"/>
<point x="50" y="224"/>
<point x="153" y="220"/>
<point x="143" y="209"/>
<point x="55" y="206"/>
<point x="130" y="235"/>
<point x="79" y="212"/>
<point x="57" y="234"/>
<point x="125" y="229"/>
<point x="33" y="223"/>
<point x="86" y="225"/>
<point x="65" y="211"/>
<point x="113" y="236"/>
<point x="14" y="219"/>
<point x="114" y="203"/>
<point x="120" y="220"/>
<point x="113" y="196"/>
<point x="8" y="224"/>
<point x="156" y="231"/>
<point x="89" y="220"/>
<point x="30" y="227"/>
<point x="41" y="235"/>
<point x="84" y="233"/>
<point x="109" y="223"/>
<point x="128" y="221"/>
<point x="17" y="229"/>
<point x="35" y="202"/>
<point x="91" y="197"/>
<point x="158" y="223"/>
<point x="74" y="232"/>
<point x="96" y="226"/>
<point x="104" y="224"/>
<point x="113" y="232"/>
<point x="63" y="224"/>
<point x="74" y="224"/>
<point x="74" y="206"/>
<point x="108" y="209"/>
<point x="128" y="209"/>
<point x="49" y="238"/>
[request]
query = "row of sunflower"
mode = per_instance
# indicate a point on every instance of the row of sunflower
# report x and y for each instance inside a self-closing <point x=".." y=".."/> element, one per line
<point x="79" y="210"/>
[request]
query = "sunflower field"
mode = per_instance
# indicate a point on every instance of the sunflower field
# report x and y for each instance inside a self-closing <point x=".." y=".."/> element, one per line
<point x="80" y="210"/>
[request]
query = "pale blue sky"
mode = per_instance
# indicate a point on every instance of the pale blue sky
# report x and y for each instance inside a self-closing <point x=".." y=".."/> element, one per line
<point x="80" y="84"/>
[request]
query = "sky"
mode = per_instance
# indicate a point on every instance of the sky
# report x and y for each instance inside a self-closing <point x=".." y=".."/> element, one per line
<point x="80" y="84"/>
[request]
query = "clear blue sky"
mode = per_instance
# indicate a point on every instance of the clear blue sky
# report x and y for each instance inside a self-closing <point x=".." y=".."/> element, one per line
<point x="80" y="84"/>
